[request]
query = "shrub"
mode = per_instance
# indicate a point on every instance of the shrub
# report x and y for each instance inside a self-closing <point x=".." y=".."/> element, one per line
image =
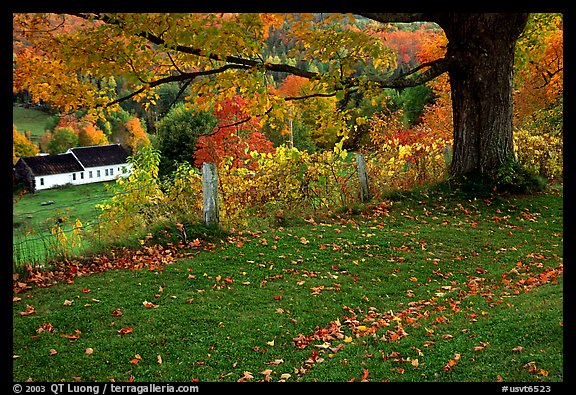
<point x="539" y="152"/>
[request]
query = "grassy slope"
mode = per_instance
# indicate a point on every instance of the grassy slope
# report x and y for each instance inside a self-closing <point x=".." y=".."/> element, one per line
<point x="436" y="267"/>
<point x="29" y="119"/>
<point x="70" y="203"/>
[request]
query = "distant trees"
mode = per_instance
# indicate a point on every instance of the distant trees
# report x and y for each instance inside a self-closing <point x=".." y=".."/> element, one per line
<point x="177" y="135"/>
<point x="22" y="145"/>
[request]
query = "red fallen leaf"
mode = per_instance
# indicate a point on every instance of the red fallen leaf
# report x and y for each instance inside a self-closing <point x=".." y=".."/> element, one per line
<point x="45" y="328"/>
<point x="277" y="297"/>
<point x="117" y="313"/>
<point x="124" y="331"/>
<point x="29" y="310"/>
<point x="131" y="379"/>
<point x="71" y="337"/>
<point x="314" y="355"/>
<point x="85" y="290"/>
<point x="365" y="375"/>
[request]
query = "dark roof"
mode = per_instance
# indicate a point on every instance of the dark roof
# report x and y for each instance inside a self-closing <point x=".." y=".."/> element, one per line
<point x="100" y="155"/>
<point x="76" y="159"/>
<point x="51" y="164"/>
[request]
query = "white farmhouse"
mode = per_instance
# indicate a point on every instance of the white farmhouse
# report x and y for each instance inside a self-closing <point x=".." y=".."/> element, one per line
<point x="81" y="165"/>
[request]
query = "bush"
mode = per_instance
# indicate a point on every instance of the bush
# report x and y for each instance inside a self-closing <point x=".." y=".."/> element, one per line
<point x="540" y="152"/>
<point x="516" y="178"/>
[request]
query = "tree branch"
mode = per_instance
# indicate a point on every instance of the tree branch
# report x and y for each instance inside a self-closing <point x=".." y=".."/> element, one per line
<point x="434" y="68"/>
<point x="188" y="77"/>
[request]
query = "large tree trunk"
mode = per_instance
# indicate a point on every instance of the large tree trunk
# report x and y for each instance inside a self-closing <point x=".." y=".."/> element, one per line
<point x="481" y="47"/>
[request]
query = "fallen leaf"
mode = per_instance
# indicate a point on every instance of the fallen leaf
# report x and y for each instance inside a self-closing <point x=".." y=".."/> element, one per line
<point x="45" y="327"/>
<point x="53" y="351"/>
<point x="137" y="358"/>
<point x="85" y="290"/>
<point x="543" y="372"/>
<point x="275" y="362"/>
<point x="149" y="305"/>
<point x="73" y="336"/>
<point x="365" y="375"/>
<point x="124" y="331"/>
<point x="531" y="366"/>
<point x="117" y="313"/>
<point x="159" y="358"/>
<point x="271" y="342"/>
<point x="29" y="310"/>
<point x="285" y="376"/>
<point x="89" y="351"/>
<point x="518" y="349"/>
<point x="246" y="376"/>
<point x="266" y="372"/>
<point x="68" y="302"/>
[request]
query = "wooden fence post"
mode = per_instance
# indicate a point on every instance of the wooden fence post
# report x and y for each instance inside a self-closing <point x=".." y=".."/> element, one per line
<point x="447" y="153"/>
<point x="210" y="194"/>
<point x="363" y="176"/>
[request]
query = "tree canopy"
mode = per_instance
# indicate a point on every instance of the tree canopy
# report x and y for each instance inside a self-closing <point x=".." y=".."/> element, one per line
<point x="67" y="59"/>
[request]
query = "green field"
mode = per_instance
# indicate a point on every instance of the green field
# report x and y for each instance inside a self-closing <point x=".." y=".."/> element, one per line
<point x="425" y="288"/>
<point x="32" y="222"/>
<point x="29" y="119"/>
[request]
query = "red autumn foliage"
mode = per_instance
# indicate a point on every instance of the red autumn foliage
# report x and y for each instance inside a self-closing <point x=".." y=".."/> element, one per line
<point x="236" y="135"/>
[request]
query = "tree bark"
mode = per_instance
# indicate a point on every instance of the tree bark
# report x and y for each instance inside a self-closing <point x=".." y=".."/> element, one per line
<point x="481" y="55"/>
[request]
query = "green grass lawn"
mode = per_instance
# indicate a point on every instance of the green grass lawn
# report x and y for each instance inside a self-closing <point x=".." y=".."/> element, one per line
<point x="427" y="288"/>
<point x="29" y="119"/>
<point x="31" y="222"/>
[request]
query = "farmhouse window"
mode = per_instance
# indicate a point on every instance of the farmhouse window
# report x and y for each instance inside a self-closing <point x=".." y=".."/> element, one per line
<point x="89" y="173"/>
<point x="97" y="173"/>
<point x="74" y="176"/>
<point x="41" y="181"/>
<point x="112" y="171"/>
<point x="82" y="175"/>
<point x="106" y="172"/>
